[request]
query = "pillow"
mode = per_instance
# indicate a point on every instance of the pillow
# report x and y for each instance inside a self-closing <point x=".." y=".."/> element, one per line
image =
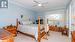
<point x="27" y="22"/>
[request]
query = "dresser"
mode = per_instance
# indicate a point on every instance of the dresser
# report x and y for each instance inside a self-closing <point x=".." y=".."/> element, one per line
<point x="12" y="29"/>
<point x="53" y="27"/>
<point x="73" y="36"/>
<point x="6" y="36"/>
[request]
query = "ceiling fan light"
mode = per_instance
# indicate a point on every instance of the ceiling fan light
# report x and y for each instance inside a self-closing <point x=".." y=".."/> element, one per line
<point x="39" y="4"/>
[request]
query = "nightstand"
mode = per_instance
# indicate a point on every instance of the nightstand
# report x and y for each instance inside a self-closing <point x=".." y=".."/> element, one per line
<point x="6" y="36"/>
<point x="65" y="31"/>
<point x="12" y="29"/>
<point x="73" y="36"/>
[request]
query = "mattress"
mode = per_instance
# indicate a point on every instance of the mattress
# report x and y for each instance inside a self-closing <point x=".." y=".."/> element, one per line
<point x="31" y="29"/>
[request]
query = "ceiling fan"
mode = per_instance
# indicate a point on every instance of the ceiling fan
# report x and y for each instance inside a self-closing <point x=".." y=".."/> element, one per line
<point x="40" y="4"/>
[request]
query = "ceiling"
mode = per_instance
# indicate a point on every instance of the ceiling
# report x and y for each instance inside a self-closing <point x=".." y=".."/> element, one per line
<point x="50" y="5"/>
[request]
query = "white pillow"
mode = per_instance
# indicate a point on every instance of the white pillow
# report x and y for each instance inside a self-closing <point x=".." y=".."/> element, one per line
<point x="27" y="22"/>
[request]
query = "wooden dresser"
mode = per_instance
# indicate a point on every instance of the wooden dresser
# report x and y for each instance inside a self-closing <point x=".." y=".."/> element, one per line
<point x="53" y="28"/>
<point x="12" y="29"/>
<point x="63" y="30"/>
<point x="73" y="36"/>
<point x="6" y="36"/>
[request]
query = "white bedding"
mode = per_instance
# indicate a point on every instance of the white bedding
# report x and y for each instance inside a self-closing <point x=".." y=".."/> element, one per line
<point x="31" y="29"/>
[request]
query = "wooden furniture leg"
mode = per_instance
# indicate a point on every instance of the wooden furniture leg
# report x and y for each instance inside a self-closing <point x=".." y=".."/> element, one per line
<point x="46" y="35"/>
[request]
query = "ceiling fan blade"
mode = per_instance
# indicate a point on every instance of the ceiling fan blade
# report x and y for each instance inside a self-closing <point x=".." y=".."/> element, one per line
<point x="44" y="7"/>
<point x="36" y="2"/>
<point x="45" y="3"/>
<point x="34" y="5"/>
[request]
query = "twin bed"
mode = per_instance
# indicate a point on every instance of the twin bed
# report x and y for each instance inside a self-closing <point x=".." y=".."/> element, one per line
<point x="37" y="30"/>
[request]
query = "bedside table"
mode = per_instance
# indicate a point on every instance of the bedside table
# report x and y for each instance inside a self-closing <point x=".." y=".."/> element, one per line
<point x="6" y="36"/>
<point x="65" y="31"/>
<point x="12" y="29"/>
<point x="73" y="36"/>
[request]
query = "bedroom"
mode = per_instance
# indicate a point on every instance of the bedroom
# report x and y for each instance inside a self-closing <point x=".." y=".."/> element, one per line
<point x="56" y="14"/>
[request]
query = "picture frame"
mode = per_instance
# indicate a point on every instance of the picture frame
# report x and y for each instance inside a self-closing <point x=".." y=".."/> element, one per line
<point x="21" y="16"/>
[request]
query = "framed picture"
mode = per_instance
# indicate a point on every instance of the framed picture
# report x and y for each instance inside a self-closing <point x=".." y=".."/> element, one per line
<point x="21" y="16"/>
